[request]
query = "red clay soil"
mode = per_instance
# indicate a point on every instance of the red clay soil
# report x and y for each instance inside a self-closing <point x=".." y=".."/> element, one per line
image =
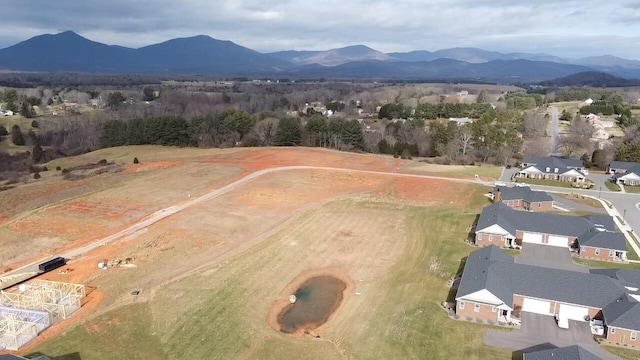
<point x="155" y="165"/>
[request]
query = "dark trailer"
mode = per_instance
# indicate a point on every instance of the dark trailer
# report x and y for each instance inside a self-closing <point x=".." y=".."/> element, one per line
<point x="52" y="264"/>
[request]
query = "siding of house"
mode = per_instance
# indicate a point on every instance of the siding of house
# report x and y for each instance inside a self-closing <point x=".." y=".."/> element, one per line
<point x="486" y="312"/>
<point x="631" y="182"/>
<point x="545" y="238"/>
<point x="484" y="239"/>
<point x="522" y="205"/>
<point x="590" y="252"/>
<point x="554" y="306"/>
<point x="622" y="336"/>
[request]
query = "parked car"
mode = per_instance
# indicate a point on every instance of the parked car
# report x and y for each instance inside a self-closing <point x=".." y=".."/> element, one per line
<point x="586" y="184"/>
<point x="499" y="183"/>
<point x="562" y="321"/>
<point x="522" y="185"/>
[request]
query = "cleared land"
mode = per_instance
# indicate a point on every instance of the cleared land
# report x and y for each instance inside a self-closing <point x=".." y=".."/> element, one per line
<point x="209" y="275"/>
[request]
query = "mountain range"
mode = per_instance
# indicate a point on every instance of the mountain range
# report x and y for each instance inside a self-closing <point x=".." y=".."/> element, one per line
<point x="70" y="52"/>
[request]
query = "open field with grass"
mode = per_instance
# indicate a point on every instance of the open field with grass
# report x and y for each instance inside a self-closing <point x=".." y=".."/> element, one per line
<point x="632" y="189"/>
<point x="398" y="256"/>
<point x="564" y="184"/>
<point x="208" y="276"/>
<point x="622" y="353"/>
<point x="611" y="186"/>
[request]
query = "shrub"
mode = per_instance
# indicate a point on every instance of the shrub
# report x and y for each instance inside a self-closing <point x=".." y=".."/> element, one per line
<point x="66" y="171"/>
<point x="395" y="156"/>
<point x="102" y="162"/>
<point x="34" y="124"/>
<point x="135" y="160"/>
<point x="36" y="175"/>
<point x="58" y="168"/>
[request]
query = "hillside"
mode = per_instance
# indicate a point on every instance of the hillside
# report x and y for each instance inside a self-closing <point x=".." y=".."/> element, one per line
<point x="591" y="78"/>
<point x="332" y="57"/>
<point x="69" y="51"/>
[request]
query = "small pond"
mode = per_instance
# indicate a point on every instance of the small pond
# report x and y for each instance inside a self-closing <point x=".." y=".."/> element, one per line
<point x="317" y="299"/>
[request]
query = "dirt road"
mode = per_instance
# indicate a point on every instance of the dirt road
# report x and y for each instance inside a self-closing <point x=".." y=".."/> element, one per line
<point x="166" y="212"/>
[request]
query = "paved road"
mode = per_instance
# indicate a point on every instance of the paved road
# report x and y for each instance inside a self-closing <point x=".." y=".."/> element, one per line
<point x="539" y="332"/>
<point x="563" y="202"/>
<point x="553" y="257"/>
<point x="164" y="213"/>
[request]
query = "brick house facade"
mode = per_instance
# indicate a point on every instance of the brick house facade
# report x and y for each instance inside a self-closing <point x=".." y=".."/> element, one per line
<point x="623" y="336"/>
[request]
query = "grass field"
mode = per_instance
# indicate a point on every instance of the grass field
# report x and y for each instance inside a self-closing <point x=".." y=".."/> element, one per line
<point x="611" y="186"/>
<point x="606" y="264"/>
<point x="564" y="184"/>
<point x="622" y="353"/>
<point x="632" y="189"/>
<point x="398" y="256"/>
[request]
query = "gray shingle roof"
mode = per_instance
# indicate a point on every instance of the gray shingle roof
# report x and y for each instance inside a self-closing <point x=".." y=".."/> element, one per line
<point x="604" y="240"/>
<point x="523" y="193"/>
<point x="573" y="352"/>
<point x="626" y="277"/>
<point x="634" y="170"/>
<point x="623" y="165"/>
<point x="475" y="275"/>
<point x="504" y="278"/>
<point x="552" y="162"/>
<point x="512" y="220"/>
<point x="624" y="314"/>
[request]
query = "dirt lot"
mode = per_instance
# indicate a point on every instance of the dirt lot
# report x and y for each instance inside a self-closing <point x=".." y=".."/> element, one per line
<point x="209" y="274"/>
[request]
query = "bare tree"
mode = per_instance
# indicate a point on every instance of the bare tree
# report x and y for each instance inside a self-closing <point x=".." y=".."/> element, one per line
<point x="265" y="130"/>
<point x="534" y="124"/>
<point x="463" y="138"/>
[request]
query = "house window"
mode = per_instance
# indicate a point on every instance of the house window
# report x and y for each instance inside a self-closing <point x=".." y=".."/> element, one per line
<point x="597" y="251"/>
<point x="461" y="305"/>
<point x="583" y="249"/>
<point x="555" y="170"/>
<point x="634" y="335"/>
<point x="539" y="205"/>
<point x="547" y="169"/>
<point x="476" y="308"/>
<point x="495" y="309"/>
<point x="611" y="253"/>
<point x="613" y="330"/>
<point x="517" y="202"/>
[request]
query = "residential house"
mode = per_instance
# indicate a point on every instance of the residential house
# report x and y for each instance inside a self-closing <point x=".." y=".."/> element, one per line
<point x="552" y="167"/>
<point x="502" y="226"/>
<point x="589" y="101"/>
<point x="494" y="288"/>
<point x="600" y="134"/>
<point x="522" y="198"/>
<point x="462" y="121"/>
<point x="574" y="352"/>
<point x="621" y="167"/>
<point x="625" y="173"/>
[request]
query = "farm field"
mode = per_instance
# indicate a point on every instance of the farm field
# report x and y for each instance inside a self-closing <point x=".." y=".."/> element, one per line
<point x="209" y="275"/>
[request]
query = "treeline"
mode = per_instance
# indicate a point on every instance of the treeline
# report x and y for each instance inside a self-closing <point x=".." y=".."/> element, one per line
<point x="234" y="128"/>
<point x="459" y="110"/>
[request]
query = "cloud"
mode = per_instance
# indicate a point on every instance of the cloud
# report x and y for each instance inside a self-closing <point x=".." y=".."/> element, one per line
<point x="569" y="28"/>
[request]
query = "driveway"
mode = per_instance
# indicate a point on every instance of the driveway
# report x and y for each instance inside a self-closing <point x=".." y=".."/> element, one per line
<point x="553" y="257"/>
<point x="568" y="204"/>
<point x="539" y="332"/>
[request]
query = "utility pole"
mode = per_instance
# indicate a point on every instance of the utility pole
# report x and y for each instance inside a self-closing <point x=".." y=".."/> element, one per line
<point x="624" y="216"/>
<point x="600" y="193"/>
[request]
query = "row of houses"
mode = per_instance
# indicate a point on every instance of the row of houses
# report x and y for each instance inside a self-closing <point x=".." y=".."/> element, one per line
<point x="495" y="288"/>
<point x="573" y="170"/>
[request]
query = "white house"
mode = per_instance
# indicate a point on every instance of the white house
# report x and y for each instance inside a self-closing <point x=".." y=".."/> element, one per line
<point x="589" y="101"/>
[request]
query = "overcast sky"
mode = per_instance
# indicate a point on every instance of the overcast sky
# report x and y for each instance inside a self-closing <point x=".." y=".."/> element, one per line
<point x="567" y="28"/>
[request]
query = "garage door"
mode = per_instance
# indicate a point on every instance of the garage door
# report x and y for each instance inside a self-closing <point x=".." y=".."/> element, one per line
<point x="532" y="238"/>
<point x="573" y="312"/>
<point x="558" y="241"/>
<point x="536" y="306"/>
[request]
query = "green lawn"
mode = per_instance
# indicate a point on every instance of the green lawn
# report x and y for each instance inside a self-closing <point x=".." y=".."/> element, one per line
<point x="632" y="254"/>
<point x="564" y="184"/>
<point x="220" y="313"/>
<point x="611" y="186"/>
<point x="605" y="264"/>
<point x="632" y="189"/>
<point x="622" y="353"/>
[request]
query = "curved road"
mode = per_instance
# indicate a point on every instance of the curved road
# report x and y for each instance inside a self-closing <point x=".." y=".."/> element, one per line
<point x="164" y="213"/>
